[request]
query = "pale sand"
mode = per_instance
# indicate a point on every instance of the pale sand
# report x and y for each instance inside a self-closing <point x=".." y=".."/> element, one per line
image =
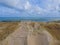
<point x="22" y="36"/>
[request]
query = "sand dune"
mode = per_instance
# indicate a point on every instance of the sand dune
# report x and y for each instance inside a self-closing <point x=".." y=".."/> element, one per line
<point x="30" y="33"/>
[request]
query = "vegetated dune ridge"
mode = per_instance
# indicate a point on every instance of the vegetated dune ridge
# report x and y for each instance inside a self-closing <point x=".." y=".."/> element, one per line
<point x="6" y="28"/>
<point x="53" y="29"/>
<point x="35" y="28"/>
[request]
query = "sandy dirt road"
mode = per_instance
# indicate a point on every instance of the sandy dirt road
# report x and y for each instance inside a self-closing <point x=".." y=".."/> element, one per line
<point x="16" y="38"/>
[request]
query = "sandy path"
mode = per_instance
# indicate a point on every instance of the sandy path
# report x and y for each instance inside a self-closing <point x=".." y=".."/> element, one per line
<point x="16" y="38"/>
<point x="19" y="37"/>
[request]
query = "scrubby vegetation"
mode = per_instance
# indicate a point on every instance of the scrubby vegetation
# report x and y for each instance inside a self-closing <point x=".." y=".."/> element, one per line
<point x="34" y="28"/>
<point x="53" y="29"/>
<point x="6" y="28"/>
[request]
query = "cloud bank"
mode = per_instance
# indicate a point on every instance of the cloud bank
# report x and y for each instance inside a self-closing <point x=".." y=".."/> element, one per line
<point x="39" y="8"/>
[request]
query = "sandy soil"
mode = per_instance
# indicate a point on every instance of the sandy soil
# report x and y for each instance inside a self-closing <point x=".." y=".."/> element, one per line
<point x="32" y="33"/>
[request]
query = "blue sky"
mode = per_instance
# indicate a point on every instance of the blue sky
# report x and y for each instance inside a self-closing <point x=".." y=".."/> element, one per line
<point x="29" y="8"/>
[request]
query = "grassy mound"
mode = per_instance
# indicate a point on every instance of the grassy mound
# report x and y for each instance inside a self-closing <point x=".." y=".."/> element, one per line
<point x="7" y="28"/>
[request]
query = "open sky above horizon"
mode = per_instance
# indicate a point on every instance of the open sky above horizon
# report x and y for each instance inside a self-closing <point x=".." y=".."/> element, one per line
<point x="29" y="8"/>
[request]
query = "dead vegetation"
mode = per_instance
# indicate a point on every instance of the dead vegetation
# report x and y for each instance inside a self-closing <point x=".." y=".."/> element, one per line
<point x="6" y="28"/>
<point x="53" y="29"/>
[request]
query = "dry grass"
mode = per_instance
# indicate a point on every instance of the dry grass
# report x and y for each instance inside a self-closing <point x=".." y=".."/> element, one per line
<point x="7" y="28"/>
<point x="53" y="29"/>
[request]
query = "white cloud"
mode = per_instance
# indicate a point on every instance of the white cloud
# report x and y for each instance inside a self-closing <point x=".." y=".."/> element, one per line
<point x="39" y="10"/>
<point x="53" y="5"/>
<point x="9" y="2"/>
<point x="14" y="3"/>
<point x="24" y="4"/>
<point x="27" y="5"/>
<point x="50" y="6"/>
